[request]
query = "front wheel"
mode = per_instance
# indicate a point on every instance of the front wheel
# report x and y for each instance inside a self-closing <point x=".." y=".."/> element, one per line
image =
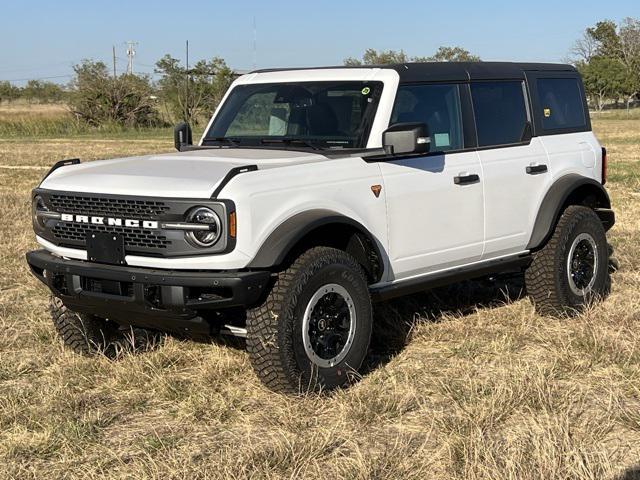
<point x="572" y="269"/>
<point x="81" y="333"/>
<point x="313" y="330"/>
<point x="92" y="335"/>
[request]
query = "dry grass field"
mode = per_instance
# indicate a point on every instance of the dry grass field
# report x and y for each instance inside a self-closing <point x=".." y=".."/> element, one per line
<point x="463" y="383"/>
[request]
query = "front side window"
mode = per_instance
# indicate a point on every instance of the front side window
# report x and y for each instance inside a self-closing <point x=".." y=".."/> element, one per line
<point x="316" y="114"/>
<point x="438" y="106"/>
<point x="560" y="103"/>
<point x="500" y="112"/>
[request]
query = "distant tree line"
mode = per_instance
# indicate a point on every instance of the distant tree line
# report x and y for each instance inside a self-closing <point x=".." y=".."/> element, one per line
<point x="443" y="54"/>
<point x="608" y="57"/>
<point x="34" y="91"/>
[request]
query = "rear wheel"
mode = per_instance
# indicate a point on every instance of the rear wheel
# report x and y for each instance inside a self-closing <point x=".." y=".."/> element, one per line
<point x="572" y="269"/>
<point x="313" y="330"/>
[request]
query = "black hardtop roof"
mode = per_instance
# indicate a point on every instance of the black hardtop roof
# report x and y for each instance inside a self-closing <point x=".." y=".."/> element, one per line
<point x="451" y="71"/>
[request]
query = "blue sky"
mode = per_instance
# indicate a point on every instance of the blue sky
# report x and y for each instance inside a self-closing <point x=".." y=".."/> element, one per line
<point x="44" y="38"/>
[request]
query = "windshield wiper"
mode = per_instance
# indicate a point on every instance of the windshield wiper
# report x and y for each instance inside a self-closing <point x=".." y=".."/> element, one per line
<point x="290" y="141"/>
<point x="230" y="141"/>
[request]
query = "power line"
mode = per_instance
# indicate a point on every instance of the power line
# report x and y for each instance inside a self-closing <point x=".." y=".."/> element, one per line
<point x="28" y="69"/>
<point x="146" y="65"/>
<point x="52" y="64"/>
<point x="40" y="78"/>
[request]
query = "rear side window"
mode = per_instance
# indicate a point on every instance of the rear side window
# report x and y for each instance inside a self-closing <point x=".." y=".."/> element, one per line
<point x="500" y="112"/>
<point x="561" y="105"/>
<point x="436" y="105"/>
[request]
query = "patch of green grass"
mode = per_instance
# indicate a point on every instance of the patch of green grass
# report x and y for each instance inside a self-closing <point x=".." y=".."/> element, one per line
<point x="56" y="121"/>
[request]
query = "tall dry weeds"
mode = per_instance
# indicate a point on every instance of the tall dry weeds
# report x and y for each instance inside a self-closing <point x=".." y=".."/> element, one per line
<point x="465" y="382"/>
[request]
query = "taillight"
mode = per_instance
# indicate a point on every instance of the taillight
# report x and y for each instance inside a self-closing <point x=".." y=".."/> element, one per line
<point x="604" y="165"/>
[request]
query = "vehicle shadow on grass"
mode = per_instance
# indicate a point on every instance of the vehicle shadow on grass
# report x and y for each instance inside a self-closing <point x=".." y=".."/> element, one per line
<point x="632" y="473"/>
<point x="394" y="319"/>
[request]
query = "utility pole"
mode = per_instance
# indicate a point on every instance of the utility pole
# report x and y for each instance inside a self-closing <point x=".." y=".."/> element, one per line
<point x="114" y="62"/>
<point x="186" y="102"/>
<point x="131" y="51"/>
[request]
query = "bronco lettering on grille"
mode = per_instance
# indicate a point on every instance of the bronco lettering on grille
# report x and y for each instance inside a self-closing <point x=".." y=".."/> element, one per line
<point x="109" y="221"/>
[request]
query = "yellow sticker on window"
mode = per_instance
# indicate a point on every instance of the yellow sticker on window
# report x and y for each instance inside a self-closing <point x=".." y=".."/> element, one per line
<point x="547" y="112"/>
<point x="366" y="91"/>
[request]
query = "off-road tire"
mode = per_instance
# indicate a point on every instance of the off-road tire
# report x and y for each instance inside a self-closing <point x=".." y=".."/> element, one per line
<point x="84" y="334"/>
<point x="547" y="277"/>
<point x="274" y="329"/>
<point x="91" y="335"/>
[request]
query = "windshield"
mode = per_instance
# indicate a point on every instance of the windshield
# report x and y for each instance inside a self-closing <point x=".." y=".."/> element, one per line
<point x="307" y="114"/>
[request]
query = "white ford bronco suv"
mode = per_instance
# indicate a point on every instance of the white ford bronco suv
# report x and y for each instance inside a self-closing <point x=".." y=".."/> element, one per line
<point x="314" y="192"/>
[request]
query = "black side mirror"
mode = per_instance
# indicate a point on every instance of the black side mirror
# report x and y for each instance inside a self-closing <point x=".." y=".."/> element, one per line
<point x="182" y="135"/>
<point x="406" y="138"/>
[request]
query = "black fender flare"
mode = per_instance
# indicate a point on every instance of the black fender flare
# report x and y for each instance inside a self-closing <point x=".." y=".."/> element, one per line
<point x="284" y="238"/>
<point x="555" y="201"/>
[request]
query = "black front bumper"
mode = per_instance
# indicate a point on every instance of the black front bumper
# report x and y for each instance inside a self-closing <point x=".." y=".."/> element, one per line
<point x="170" y="300"/>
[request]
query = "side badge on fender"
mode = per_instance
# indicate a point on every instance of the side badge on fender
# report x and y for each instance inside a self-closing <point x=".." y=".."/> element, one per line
<point x="376" y="189"/>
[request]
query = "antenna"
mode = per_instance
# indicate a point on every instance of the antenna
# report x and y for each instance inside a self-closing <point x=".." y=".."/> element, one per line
<point x="255" y="43"/>
<point x="131" y="51"/>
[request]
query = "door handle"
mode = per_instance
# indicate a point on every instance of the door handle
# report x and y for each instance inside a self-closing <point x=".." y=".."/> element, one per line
<point x="534" y="169"/>
<point x="466" y="179"/>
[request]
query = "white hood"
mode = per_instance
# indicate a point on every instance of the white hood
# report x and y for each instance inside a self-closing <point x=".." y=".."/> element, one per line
<point x="194" y="174"/>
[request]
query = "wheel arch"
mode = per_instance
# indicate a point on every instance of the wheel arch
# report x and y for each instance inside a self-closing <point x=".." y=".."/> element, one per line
<point x="321" y="228"/>
<point x="571" y="189"/>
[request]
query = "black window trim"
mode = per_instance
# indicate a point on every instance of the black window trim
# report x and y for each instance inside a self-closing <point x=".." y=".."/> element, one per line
<point x="527" y="108"/>
<point x="469" y="129"/>
<point x="539" y="130"/>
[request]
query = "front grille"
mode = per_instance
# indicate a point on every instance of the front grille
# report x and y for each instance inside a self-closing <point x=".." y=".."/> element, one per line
<point x="125" y="211"/>
<point x="133" y="238"/>
<point x="111" y="207"/>
<point x="75" y="234"/>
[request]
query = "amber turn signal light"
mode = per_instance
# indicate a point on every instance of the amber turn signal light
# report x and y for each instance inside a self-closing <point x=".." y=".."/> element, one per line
<point x="232" y="224"/>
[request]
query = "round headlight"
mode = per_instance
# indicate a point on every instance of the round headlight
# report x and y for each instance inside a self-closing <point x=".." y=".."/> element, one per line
<point x="38" y="206"/>
<point x="204" y="216"/>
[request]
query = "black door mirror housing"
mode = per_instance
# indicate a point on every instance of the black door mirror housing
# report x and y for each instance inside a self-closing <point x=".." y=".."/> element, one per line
<point x="406" y="138"/>
<point x="182" y="135"/>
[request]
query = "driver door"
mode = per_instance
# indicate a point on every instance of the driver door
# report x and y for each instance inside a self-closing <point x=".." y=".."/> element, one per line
<point x="435" y="207"/>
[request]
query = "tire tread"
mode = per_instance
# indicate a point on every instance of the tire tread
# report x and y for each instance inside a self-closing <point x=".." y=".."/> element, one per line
<point x="269" y="329"/>
<point x="542" y="281"/>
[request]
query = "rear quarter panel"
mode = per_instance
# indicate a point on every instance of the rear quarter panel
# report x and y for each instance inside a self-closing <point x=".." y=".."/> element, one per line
<point x="574" y="153"/>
